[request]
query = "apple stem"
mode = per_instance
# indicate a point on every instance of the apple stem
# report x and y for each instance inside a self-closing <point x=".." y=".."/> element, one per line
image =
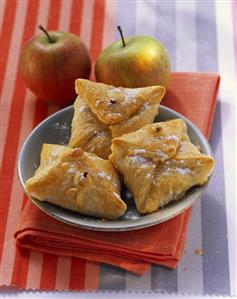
<point x="121" y="34"/>
<point x="47" y="34"/>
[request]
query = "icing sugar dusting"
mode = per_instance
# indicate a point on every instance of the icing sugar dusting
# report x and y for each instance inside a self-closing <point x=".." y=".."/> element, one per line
<point x="183" y="171"/>
<point x="62" y="132"/>
<point x="131" y="92"/>
<point x="137" y="160"/>
<point x="83" y="108"/>
<point x="97" y="103"/>
<point x="180" y="170"/>
<point x="103" y="175"/>
<point x="172" y="137"/>
<point x="139" y="151"/>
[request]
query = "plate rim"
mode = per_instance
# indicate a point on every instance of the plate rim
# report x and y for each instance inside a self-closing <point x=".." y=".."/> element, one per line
<point x="113" y="225"/>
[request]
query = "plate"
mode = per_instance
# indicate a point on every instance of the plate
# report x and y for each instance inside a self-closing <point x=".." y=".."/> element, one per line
<point x="56" y="129"/>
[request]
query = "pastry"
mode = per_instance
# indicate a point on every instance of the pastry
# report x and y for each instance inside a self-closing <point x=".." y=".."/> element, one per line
<point x="159" y="164"/>
<point x="103" y="112"/>
<point x="88" y="132"/>
<point x="78" y="181"/>
<point x="115" y="104"/>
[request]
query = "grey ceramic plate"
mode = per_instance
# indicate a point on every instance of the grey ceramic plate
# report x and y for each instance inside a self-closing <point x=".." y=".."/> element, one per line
<point x="56" y="129"/>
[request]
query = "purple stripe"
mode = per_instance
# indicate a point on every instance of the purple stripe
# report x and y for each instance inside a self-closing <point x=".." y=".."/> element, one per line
<point x="165" y="28"/>
<point x="214" y="224"/>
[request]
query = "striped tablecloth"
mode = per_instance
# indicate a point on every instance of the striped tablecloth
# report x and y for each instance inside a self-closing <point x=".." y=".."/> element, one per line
<point x="199" y="36"/>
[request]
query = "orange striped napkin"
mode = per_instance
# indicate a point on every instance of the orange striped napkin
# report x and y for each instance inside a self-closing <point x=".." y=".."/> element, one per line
<point x="193" y="95"/>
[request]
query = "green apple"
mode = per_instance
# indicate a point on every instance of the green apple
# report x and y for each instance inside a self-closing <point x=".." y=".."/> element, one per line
<point x="136" y="61"/>
<point x="51" y="62"/>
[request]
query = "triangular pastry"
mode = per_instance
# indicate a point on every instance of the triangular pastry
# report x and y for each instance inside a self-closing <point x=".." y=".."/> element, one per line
<point x="115" y="104"/>
<point x="159" y="163"/>
<point x="88" y="132"/>
<point x="103" y="112"/>
<point x="78" y="181"/>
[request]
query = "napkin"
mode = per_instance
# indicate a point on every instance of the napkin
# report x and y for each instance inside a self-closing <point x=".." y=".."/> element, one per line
<point x="193" y="95"/>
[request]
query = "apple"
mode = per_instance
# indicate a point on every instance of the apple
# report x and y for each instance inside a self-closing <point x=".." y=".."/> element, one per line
<point x="136" y="61"/>
<point x="51" y="62"/>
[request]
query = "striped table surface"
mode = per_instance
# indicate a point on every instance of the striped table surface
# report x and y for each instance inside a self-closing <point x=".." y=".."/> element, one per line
<point x="199" y="36"/>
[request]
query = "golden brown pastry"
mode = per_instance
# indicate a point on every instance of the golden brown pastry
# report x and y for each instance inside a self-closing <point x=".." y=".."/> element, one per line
<point x="78" y="181"/>
<point x="49" y="153"/>
<point x="103" y="112"/>
<point x="88" y="132"/>
<point x="159" y="163"/>
<point x="115" y="104"/>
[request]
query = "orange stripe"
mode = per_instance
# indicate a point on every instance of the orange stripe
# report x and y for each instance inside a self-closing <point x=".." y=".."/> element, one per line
<point x="75" y="25"/>
<point x="5" y="38"/>
<point x="77" y="277"/>
<point x="15" y="118"/>
<point x="48" y="274"/>
<point x="54" y="14"/>
<point x="97" y="28"/>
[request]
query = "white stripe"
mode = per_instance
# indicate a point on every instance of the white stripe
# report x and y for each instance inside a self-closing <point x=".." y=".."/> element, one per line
<point x="11" y="70"/>
<point x="16" y="197"/>
<point x="145" y="18"/>
<point x="86" y="22"/>
<point x="65" y="14"/>
<point x="190" y="270"/>
<point x="228" y="95"/>
<point x="34" y="270"/>
<point x="109" y="23"/>
<point x="2" y="11"/>
<point x="63" y="273"/>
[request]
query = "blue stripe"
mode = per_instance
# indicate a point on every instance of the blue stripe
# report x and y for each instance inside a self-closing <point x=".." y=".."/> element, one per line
<point x="214" y="224"/>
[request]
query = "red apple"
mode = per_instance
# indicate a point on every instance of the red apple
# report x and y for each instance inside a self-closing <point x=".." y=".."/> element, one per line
<point x="51" y="62"/>
<point x="136" y="61"/>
